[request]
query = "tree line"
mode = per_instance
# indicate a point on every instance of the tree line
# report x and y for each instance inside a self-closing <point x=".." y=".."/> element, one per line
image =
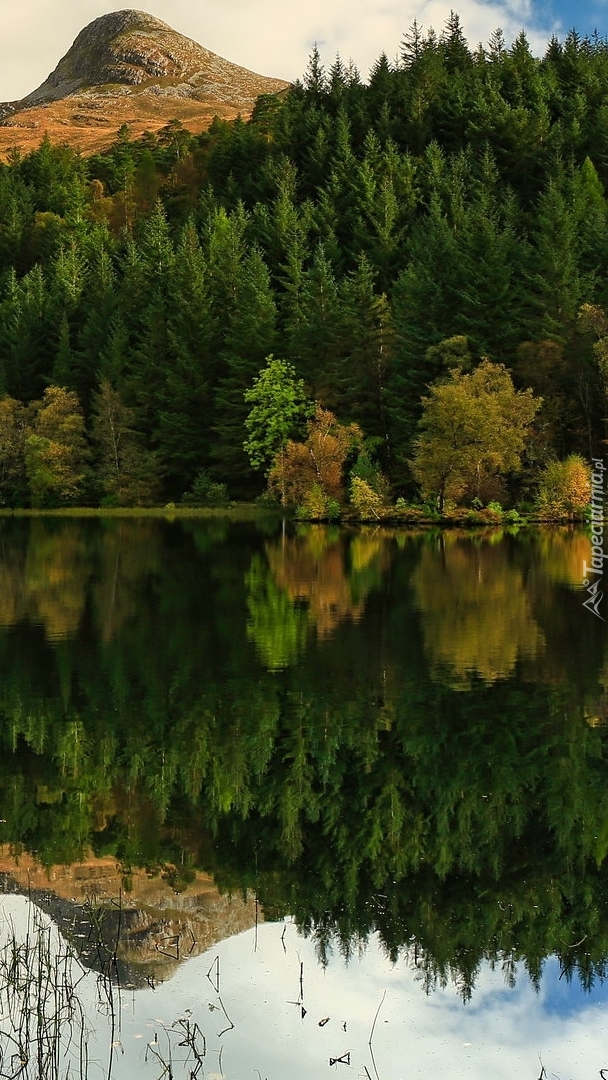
<point x="374" y="235"/>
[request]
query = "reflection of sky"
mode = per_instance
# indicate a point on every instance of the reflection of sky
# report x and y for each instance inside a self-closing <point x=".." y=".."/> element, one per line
<point x="501" y="1033"/>
<point x="563" y="999"/>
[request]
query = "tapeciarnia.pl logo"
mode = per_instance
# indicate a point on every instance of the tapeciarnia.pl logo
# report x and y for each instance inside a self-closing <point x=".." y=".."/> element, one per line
<point x="593" y="584"/>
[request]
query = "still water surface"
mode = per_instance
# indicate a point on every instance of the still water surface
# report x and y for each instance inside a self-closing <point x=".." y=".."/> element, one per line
<point x="392" y="745"/>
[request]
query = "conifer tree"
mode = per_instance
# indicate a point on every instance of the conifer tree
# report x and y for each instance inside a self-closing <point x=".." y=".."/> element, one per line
<point x="183" y="431"/>
<point x="249" y="337"/>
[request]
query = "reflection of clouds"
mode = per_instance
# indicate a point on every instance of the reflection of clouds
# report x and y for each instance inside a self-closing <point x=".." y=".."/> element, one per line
<point x="499" y="1034"/>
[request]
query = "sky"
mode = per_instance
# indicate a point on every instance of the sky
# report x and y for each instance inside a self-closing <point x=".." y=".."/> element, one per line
<point x="274" y="37"/>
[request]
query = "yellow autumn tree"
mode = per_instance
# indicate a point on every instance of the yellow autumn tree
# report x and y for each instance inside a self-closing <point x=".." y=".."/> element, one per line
<point x="12" y="452"/>
<point x="55" y="448"/>
<point x="565" y="488"/>
<point x="473" y="428"/>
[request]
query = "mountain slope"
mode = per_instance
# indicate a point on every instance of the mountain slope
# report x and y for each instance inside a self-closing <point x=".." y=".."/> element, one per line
<point x="129" y="67"/>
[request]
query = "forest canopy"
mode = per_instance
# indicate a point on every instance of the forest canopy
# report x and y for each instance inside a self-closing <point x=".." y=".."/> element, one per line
<point x="373" y="235"/>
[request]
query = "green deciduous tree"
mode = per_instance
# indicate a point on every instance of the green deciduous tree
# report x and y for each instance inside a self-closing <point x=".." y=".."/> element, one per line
<point x="279" y="406"/>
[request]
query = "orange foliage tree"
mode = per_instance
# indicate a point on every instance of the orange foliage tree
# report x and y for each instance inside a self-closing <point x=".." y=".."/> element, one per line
<point x="311" y="472"/>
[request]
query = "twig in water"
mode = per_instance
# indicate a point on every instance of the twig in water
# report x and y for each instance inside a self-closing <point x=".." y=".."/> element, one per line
<point x="576" y="943"/>
<point x="376" y="1019"/>
<point x="371" y="1035"/>
<point x="163" y="952"/>
<point x="343" y="1060"/>
<point x="216" y="965"/>
<point x="230" y="1024"/>
<point x="193" y="941"/>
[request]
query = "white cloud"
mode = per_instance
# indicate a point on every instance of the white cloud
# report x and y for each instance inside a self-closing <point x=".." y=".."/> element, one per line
<point x="265" y="35"/>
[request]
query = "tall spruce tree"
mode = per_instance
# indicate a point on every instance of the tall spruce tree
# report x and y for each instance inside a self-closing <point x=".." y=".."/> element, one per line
<point x="249" y="337"/>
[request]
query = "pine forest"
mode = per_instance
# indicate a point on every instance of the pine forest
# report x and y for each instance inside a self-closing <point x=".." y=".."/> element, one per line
<point x="359" y="260"/>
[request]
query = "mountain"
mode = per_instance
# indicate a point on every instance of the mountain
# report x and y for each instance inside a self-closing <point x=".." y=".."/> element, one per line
<point x="129" y="67"/>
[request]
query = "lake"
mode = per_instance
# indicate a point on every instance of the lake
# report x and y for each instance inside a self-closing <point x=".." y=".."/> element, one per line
<point x="278" y="800"/>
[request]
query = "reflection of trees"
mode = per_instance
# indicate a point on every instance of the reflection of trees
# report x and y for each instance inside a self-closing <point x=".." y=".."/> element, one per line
<point x="315" y="578"/>
<point x="47" y="581"/>
<point x="57" y="571"/>
<point x="476" y="614"/>
<point x="275" y="624"/>
<point x="354" y="791"/>
<point x="13" y="604"/>
<point x="128" y="554"/>
<point x="311" y="570"/>
<point x="474" y="829"/>
<point x="561" y="554"/>
<point x="573" y="636"/>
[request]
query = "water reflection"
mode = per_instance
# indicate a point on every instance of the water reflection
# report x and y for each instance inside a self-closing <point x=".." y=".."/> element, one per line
<point x="477" y="614"/>
<point x="373" y="732"/>
<point x="313" y="580"/>
<point x="46" y="583"/>
<point x="134" y="925"/>
<point x="260" y="1003"/>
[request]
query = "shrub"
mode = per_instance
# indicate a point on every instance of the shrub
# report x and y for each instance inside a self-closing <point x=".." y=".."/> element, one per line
<point x="206" y="492"/>
<point x="565" y="488"/>
<point x="367" y="502"/>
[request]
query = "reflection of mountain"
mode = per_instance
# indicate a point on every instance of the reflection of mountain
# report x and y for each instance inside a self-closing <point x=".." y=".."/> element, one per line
<point x="149" y="926"/>
<point x="476" y="613"/>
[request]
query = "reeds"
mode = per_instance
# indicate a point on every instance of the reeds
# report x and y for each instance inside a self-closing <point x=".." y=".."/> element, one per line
<point x="43" y="1030"/>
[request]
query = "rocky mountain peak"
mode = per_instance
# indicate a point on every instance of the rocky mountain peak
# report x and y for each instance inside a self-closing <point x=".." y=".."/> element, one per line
<point x="129" y="67"/>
